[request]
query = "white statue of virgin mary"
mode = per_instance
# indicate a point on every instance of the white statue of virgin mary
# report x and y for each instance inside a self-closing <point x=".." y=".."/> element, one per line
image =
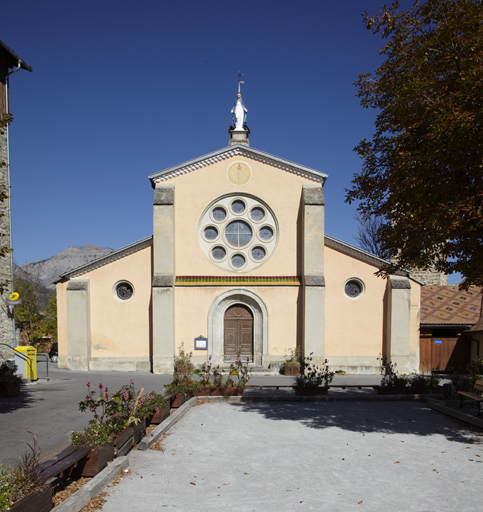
<point x="239" y="112"/>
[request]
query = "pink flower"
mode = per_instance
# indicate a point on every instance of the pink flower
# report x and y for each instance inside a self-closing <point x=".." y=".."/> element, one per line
<point x="100" y="386"/>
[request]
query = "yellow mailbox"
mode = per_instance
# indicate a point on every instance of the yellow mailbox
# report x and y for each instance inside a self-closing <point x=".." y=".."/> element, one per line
<point x="26" y="361"/>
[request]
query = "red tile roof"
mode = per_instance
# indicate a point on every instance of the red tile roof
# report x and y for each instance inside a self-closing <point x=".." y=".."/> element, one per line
<point x="448" y="305"/>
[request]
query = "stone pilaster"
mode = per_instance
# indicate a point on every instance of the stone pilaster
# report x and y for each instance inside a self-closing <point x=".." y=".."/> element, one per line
<point x="163" y="279"/>
<point x="78" y="325"/>
<point x="313" y="271"/>
<point x="398" y="323"/>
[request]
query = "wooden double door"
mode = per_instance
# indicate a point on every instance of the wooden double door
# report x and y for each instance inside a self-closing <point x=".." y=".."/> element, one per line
<point x="238" y="333"/>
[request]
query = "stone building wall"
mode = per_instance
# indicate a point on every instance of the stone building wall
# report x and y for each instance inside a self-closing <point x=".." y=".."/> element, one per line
<point x="6" y="326"/>
<point x="430" y="277"/>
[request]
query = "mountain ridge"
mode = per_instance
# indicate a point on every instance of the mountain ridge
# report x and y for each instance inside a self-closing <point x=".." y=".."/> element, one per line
<point x="48" y="271"/>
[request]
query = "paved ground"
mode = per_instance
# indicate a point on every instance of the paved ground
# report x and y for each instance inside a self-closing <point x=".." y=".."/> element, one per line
<point x="331" y="456"/>
<point x="49" y="409"/>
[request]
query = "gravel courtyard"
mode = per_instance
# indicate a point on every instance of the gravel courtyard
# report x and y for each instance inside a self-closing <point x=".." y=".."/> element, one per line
<point x="273" y="456"/>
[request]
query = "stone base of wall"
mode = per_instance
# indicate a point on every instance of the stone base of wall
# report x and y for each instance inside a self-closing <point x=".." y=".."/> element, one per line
<point x="120" y="364"/>
<point x="355" y="365"/>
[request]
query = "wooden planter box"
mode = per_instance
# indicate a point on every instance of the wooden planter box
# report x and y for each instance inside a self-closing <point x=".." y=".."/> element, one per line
<point x="425" y="390"/>
<point x="96" y="461"/>
<point x="309" y="391"/>
<point x="39" y="500"/>
<point x="10" y="389"/>
<point x="124" y="442"/>
<point x="392" y="390"/>
<point x="202" y="392"/>
<point x="139" y="430"/>
<point x="291" y="369"/>
<point x="227" y="391"/>
<point x="159" y="417"/>
<point x="180" y="399"/>
<point x="219" y="391"/>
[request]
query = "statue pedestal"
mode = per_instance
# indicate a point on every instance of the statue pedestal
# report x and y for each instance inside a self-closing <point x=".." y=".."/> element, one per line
<point x="238" y="137"/>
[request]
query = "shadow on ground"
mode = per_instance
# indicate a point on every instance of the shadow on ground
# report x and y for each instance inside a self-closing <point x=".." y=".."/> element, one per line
<point x="383" y="417"/>
<point x="13" y="403"/>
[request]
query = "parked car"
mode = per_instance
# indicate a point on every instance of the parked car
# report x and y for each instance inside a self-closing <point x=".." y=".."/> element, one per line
<point x="54" y="352"/>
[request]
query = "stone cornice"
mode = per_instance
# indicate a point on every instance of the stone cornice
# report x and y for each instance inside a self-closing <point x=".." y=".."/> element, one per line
<point x="240" y="151"/>
<point x="105" y="260"/>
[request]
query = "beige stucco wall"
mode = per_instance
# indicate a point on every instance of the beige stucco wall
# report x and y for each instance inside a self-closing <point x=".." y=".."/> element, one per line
<point x="353" y="326"/>
<point x="119" y="329"/>
<point x="281" y="190"/>
<point x="282" y="308"/>
<point x="356" y="328"/>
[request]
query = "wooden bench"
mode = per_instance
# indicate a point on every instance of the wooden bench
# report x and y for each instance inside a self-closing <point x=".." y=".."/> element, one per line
<point x="476" y="396"/>
<point x="265" y="387"/>
<point x="63" y="463"/>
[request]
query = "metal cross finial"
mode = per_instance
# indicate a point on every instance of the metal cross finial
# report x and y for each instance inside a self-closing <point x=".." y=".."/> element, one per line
<point x="239" y="80"/>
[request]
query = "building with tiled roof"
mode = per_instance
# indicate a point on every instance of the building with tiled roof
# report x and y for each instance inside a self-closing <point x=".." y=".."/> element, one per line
<point x="448" y="315"/>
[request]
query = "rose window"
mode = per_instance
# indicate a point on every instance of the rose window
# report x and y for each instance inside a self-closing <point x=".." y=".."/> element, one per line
<point x="238" y="233"/>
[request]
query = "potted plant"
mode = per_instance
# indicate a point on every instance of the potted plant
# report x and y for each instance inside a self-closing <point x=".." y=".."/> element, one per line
<point x="99" y="435"/>
<point x="391" y="382"/>
<point x="21" y="488"/>
<point x="314" y="379"/>
<point x="211" y="381"/>
<point x="10" y="382"/>
<point x="183" y="383"/>
<point x="291" y="366"/>
<point x="421" y="384"/>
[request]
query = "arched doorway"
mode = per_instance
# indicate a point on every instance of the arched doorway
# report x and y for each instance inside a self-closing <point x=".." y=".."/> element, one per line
<point x="238" y="333"/>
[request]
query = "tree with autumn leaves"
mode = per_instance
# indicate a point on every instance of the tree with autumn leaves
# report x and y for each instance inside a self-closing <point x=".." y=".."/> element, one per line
<point x="422" y="171"/>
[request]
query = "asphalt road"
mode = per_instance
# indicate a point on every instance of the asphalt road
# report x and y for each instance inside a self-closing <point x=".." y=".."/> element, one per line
<point x="49" y="409"/>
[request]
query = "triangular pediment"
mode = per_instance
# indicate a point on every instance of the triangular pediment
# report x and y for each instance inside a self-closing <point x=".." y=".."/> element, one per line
<point x="238" y="150"/>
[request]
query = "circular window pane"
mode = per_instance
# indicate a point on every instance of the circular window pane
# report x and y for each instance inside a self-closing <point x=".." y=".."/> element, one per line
<point x="210" y="233"/>
<point x="258" y="253"/>
<point x="266" y="233"/>
<point x="218" y="253"/>
<point x="238" y="206"/>
<point x="124" y="291"/>
<point x="353" y="288"/>
<point x="238" y="233"/>
<point x="238" y="260"/>
<point x="257" y="213"/>
<point x="219" y="214"/>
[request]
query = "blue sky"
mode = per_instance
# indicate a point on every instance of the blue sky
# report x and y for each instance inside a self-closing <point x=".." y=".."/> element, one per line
<point x="121" y="89"/>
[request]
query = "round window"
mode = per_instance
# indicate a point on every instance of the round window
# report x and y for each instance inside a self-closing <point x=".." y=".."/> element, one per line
<point x="219" y="214"/>
<point x="353" y="288"/>
<point x="124" y="290"/>
<point x="238" y="206"/>
<point x="258" y="253"/>
<point x="218" y="253"/>
<point x="257" y="214"/>
<point x="238" y="260"/>
<point x="265" y="233"/>
<point x="238" y="232"/>
<point x="210" y="233"/>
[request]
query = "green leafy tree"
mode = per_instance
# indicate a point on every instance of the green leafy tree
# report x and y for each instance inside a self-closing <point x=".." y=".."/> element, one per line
<point x="422" y="172"/>
<point x="36" y="316"/>
<point x="48" y="325"/>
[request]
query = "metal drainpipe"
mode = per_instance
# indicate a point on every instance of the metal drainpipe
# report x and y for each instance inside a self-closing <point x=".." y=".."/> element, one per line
<point x="9" y="187"/>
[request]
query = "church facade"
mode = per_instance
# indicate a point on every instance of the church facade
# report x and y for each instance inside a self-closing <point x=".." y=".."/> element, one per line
<point x="238" y="263"/>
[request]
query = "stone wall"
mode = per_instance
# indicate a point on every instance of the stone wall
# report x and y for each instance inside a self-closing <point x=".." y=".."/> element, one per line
<point x="430" y="277"/>
<point x="6" y="332"/>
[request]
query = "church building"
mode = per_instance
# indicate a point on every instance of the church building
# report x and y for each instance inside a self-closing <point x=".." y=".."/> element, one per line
<point x="238" y="263"/>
